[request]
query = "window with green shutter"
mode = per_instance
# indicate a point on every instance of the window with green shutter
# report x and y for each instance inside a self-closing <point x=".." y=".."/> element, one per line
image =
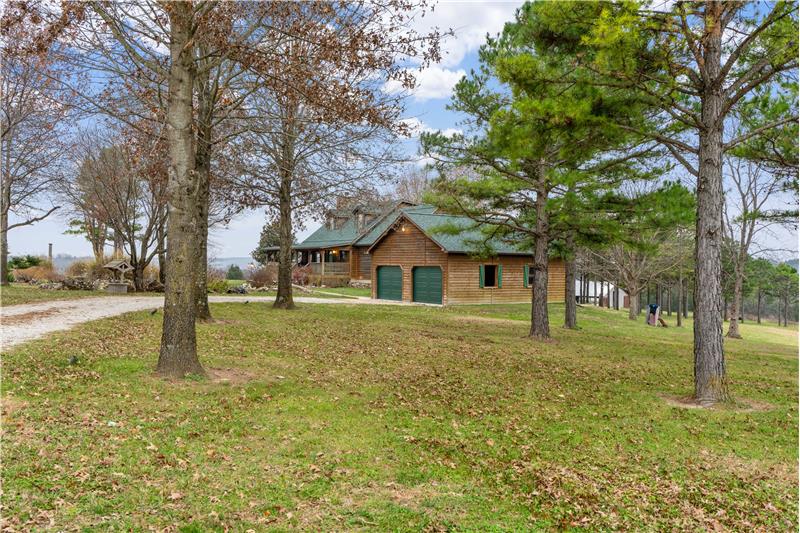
<point x="490" y="276"/>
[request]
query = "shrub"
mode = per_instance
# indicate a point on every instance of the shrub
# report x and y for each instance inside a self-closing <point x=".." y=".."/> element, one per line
<point x="36" y="274"/>
<point x="150" y="273"/>
<point x="301" y="275"/>
<point x="80" y="269"/>
<point x="234" y="272"/>
<point x="89" y="269"/>
<point x="215" y="281"/>
<point x="217" y="286"/>
<point x="265" y="276"/>
<point x="21" y="262"/>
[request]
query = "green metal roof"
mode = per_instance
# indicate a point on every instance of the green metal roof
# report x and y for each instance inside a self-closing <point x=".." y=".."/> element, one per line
<point x="463" y="242"/>
<point x="329" y="237"/>
<point x="348" y="233"/>
<point x="384" y="222"/>
<point x="424" y="216"/>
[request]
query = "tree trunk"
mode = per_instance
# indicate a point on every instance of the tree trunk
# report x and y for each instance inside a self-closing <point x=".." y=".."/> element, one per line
<point x="678" y="314"/>
<point x="635" y="304"/>
<point x="570" y="305"/>
<point x="540" y="322"/>
<point x="138" y="277"/>
<point x="686" y="299"/>
<point x="736" y="305"/>
<point x="710" y="375"/>
<point x="785" y="311"/>
<point x="178" y="354"/>
<point x="758" y="306"/>
<point x="4" y="247"/>
<point x="205" y="117"/>
<point x="284" y="298"/>
<point x="669" y="300"/>
<point x="725" y="309"/>
<point x="162" y="252"/>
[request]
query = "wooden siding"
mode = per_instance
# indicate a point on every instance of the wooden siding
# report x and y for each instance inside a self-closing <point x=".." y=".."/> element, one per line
<point x="408" y="249"/>
<point x="363" y="266"/>
<point x="464" y="283"/>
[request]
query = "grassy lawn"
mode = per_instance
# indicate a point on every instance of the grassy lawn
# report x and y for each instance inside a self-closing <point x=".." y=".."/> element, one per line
<point x="349" y="291"/>
<point x="22" y="293"/>
<point x="397" y="418"/>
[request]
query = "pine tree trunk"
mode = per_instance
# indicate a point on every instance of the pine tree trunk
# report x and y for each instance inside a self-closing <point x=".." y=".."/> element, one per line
<point x="679" y="312"/>
<point x="284" y="298"/>
<point x="758" y="307"/>
<point x="736" y="309"/>
<point x="785" y="311"/>
<point x="570" y="305"/>
<point x="710" y="375"/>
<point x="686" y="299"/>
<point x="178" y="354"/>
<point x="540" y="322"/>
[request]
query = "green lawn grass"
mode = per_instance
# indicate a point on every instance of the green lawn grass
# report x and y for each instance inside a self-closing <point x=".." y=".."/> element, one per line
<point x="397" y="418"/>
<point x="348" y="291"/>
<point x="23" y="293"/>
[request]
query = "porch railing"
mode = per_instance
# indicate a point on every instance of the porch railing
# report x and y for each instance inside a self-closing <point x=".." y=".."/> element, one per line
<point x="331" y="269"/>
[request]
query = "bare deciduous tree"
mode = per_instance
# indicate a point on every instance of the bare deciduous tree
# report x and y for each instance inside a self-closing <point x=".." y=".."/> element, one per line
<point x="747" y="201"/>
<point x="32" y="142"/>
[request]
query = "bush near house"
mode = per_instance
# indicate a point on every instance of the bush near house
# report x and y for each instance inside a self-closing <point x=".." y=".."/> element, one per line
<point x="36" y="274"/>
<point x="264" y="276"/>
<point x="25" y="261"/>
<point x="301" y="275"/>
<point x="234" y="272"/>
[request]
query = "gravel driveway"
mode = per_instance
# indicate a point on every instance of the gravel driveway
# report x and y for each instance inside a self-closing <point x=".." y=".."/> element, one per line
<point x="25" y="322"/>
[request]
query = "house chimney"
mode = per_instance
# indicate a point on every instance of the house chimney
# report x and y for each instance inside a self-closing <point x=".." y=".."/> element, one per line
<point x="50" y="253"/>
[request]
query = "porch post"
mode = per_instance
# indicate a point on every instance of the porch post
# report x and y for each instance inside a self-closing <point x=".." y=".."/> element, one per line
<point x="322" y="263"/>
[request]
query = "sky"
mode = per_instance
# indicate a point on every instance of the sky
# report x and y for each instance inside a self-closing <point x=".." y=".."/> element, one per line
<point x="425" y="109"/>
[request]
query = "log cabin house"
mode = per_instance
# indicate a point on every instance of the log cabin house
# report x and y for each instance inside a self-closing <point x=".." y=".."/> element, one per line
<point x="398" y="251"/>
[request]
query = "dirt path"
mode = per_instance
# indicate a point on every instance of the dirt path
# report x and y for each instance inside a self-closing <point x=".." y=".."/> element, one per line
<point x="25" y="322"/>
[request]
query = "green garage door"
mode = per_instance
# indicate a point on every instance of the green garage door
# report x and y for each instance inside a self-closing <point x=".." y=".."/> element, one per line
<point x="390" y="283"/>
<point x="427" y="285"/>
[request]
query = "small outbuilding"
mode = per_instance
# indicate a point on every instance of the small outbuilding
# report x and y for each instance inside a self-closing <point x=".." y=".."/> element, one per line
<point x="119" y="267"/>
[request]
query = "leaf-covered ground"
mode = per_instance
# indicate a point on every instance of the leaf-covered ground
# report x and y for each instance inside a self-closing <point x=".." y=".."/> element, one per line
<point x="397" y="418"/>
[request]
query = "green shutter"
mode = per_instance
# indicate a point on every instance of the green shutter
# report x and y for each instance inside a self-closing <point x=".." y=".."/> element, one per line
<point x="499" y="276"/>
<point x="480" y="270"/>
<point x="527" y="275"/>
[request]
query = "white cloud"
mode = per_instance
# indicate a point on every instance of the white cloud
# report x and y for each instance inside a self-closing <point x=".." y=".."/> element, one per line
<point x="432" y="83"/>
<point x="417" y="127"/>
<point x="470" y="21"/>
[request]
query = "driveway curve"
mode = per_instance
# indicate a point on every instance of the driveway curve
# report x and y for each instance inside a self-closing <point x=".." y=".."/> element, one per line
<point x="26" y="322"/>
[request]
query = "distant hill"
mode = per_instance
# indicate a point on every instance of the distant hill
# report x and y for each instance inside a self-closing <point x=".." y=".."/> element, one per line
<point x="793" y="263"/>
<point x="62" y="261"/>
